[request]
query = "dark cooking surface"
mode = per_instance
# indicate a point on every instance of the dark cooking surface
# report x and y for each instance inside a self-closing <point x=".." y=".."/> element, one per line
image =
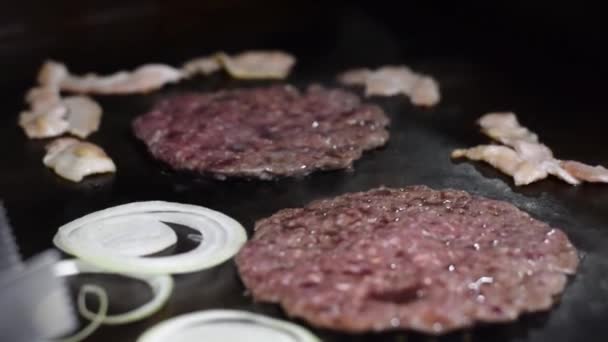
<point x="418" y="153"/>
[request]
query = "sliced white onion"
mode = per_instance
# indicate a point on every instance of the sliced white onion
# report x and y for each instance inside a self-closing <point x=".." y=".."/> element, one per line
<point x="222" y="237"/>
<point x="226" y="325"/>
<point x="97" y="318"/>
<point x="161" y="286"/>
<point x="132" y="235"/>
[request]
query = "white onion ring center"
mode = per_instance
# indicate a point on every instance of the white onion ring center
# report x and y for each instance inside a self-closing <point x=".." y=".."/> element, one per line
<point x="132" y="235"/>
<point x="222" y="237"/>
<point x="226" y="325"/>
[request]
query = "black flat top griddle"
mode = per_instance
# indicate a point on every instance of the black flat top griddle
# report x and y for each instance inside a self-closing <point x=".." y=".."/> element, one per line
<point x="421" y="140"/>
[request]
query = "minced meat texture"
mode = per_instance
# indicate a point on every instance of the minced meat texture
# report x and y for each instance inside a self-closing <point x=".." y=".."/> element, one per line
<point x="406" y="259"/>
<point x="263" y="132"/>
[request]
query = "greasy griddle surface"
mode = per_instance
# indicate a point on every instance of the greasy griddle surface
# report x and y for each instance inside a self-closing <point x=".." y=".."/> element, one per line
<point x="417" y="153"/>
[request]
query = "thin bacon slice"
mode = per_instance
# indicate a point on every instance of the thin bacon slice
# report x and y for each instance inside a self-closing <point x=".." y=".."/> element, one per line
<point x="43" y="124"/>
<point x="584" y="172"/>
<point x="525" y="158"/>
<point x="201" y="65"/>
<point x="145" y="78"/>
<point x="257" y="64"/>
<point x="354" y="76"/>
<point x="83" y="115"/>
<point x="391" y="80"/>
<point x="501" y="157"/>
<point x="504" y="127"/>
<point x="50" y="115"/>
<point x="51" y="74"/>
<point x="74" y="160"/>
<point x="425" y="92"/>
<point x="506" y="160"/>
<point x="43" y="98"/>
<point x="540" y="157"/>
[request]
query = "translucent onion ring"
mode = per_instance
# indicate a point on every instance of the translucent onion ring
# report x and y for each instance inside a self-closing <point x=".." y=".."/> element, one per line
<point x="222" y="238"/>
<point x="161" y="286"/>
<point x="226" y="325"/>
<point x="97" y="319"/>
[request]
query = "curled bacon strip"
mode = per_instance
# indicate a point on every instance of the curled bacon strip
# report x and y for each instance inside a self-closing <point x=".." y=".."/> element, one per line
<point x="391" y="80"/>
<point x="50" y="115"/>
<point x="523" y="157"/>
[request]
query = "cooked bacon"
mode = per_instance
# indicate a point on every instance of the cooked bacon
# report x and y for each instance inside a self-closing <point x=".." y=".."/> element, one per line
<point x="539" y="156"/>
<point x="55" y="75"/>
<point x="506" y="160"/>
<point x="43" y="99"/>
<point x="52" y="74"/>
<point x="354" y="76"/>
<point x="501" y="157"/>
<point x="391" y="80"/>
<point x="524" y="168"/>
<point x="201" y="65"/>
<point x="525" y="158"/>
<point x="146" y="78"/>
<point x="51" y="116"/>
<point x="50" y="123"/>
<point x="73" y="159"/>
<point x="585" y="172"/>
<point x="258" y="64"/>
<point x="504" y="127"/>
<point x="83" y="115"/>
<point x="425" y="92"/>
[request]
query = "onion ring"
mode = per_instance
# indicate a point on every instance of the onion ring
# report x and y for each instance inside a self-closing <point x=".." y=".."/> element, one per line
<point x="97" y="319"/>
<point x="222" y="238"/>
<point x="161" y="286"/>
<point x="226" y="325"/>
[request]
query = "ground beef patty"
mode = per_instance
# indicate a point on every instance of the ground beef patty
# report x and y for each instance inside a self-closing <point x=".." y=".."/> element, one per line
<point x="262" y="132"/>
<point x="412" y="258"/>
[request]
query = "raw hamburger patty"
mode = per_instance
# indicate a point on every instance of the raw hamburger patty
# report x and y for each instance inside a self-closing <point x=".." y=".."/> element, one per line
<point x="262" y="132"/>
<point x="411" y="258"/>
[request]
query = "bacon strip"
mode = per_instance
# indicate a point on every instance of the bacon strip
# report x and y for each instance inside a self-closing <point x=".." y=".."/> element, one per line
<point x="43" y="124"/>
<point x="391" y="80"/>
<point x="50" y="115"/>
<point x="144" y="79"/>
<point x="354" y="76"/>
<point x="524" y="157"/>
<point x="201" y="65"/>
<point x="73" y="159"/>
<point x="83" y="115"/>
<point x="504" y="127"/>
<point x="258" y="64"/>
<point x="585" y="172"/>
<point x="501" y="157"/>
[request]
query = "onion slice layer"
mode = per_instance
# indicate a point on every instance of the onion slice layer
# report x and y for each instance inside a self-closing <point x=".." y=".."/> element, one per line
<point x="222" y="237"/>
<point x="161" y="286"/>
<point x="226" y="325"/>
<point x="97" y="319"/>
